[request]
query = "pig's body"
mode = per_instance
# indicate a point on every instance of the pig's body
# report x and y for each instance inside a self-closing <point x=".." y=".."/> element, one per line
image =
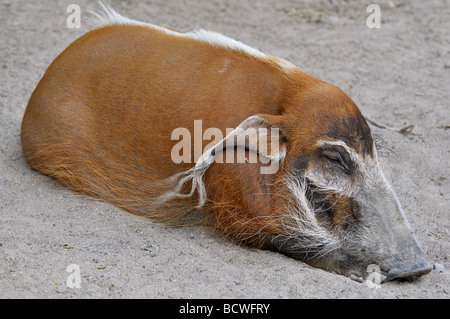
<point x="101" y="119"/>
<point x="113" y="105"/>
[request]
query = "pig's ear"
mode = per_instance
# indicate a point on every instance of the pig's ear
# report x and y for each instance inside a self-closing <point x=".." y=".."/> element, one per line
<point x="257" y="134"/>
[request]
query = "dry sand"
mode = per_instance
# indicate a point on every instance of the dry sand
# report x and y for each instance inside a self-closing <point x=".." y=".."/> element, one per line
<point x="399" y="75"/>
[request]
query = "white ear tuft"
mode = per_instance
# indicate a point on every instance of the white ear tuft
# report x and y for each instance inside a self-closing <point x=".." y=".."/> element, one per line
<point x="251" y="135"/>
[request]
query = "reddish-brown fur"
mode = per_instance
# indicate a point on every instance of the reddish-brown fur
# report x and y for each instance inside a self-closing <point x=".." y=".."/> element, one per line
<point x="101" y="118"/>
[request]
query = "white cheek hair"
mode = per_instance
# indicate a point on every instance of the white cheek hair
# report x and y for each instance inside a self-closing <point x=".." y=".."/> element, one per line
<point x="300" y="221"/>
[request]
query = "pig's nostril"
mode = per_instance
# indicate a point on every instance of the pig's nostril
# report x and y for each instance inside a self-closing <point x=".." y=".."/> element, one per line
<point x="412" y="272"/>
<point x="394" y="272"/>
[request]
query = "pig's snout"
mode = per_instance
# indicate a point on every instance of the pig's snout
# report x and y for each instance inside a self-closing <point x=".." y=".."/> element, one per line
<point x="411" y="264"/>
<point x="413" y="271"/>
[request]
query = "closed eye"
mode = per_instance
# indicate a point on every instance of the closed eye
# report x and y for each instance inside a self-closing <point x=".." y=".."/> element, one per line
<point x="336" y="158"/>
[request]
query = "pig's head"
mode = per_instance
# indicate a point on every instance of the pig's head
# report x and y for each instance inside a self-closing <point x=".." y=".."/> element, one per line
<point x="323" y="199"/>
<point x="342" y="214"/>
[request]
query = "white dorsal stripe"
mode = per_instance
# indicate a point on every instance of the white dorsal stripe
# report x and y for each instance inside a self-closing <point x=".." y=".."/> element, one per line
<point x="109" y="16"/>
<point x="220" y="40"/>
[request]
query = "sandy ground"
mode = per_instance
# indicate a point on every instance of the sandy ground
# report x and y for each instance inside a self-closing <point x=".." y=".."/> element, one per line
<point x="399" y="75"/>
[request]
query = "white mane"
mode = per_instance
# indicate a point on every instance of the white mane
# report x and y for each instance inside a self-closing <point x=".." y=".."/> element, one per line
<point x="109" y="16"/>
